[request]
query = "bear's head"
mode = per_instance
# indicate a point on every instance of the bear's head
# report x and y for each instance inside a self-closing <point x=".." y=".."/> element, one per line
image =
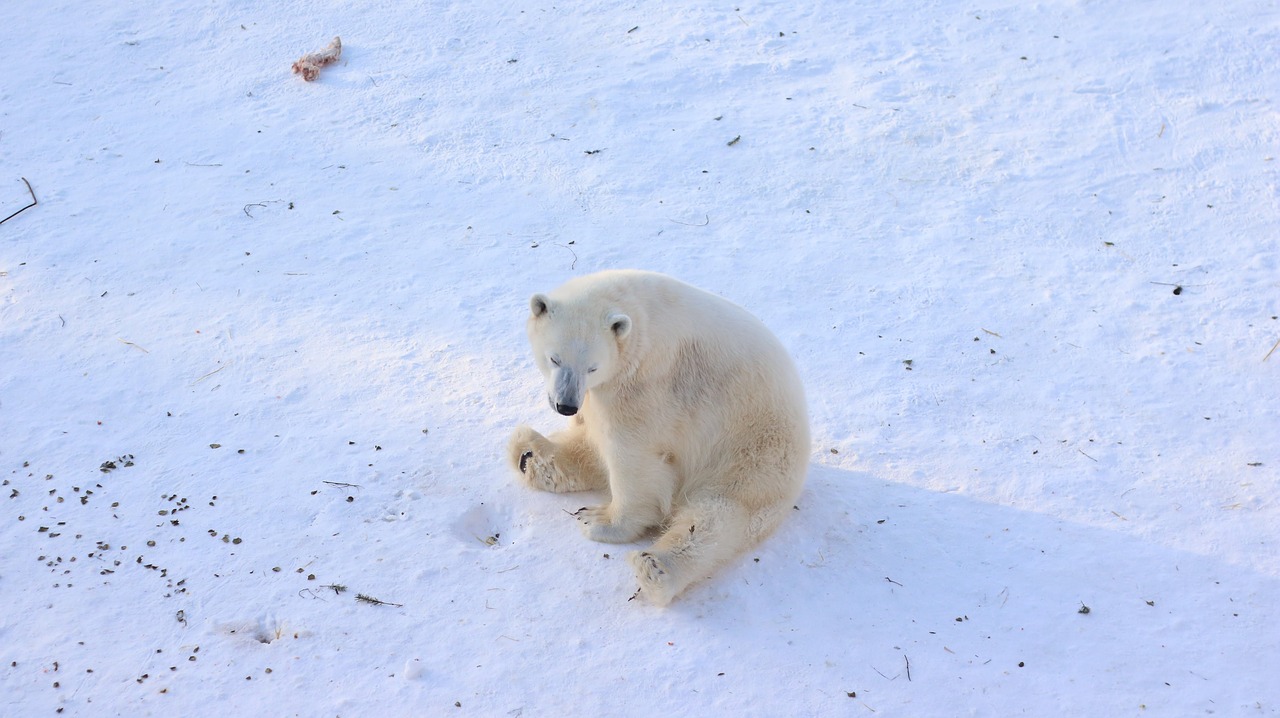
<point x="576" y="346"/>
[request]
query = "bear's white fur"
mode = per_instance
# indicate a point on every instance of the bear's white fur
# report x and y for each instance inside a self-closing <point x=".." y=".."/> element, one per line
<point x="686" y="410"/>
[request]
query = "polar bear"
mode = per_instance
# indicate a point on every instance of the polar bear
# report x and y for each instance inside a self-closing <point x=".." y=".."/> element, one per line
<point x="685" y="409"/>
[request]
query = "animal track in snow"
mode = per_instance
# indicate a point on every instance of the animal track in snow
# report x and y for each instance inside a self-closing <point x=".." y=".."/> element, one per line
<point x="264" y="631"/>
<point x="484" y="525"/>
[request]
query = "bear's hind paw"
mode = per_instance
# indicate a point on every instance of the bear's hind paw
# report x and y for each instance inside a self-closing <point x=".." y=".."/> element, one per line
<point x="526" y="451"/>
<point x="539" y="472"/>
<point x="657" y="584"/>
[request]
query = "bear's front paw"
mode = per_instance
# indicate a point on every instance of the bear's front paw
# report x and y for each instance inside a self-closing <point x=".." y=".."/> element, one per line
<point x="599" y="524"/>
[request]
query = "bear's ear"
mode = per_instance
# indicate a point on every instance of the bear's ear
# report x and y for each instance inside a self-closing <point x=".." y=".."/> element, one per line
<point x="539" y="304"/>
<point x="620" y="325"/>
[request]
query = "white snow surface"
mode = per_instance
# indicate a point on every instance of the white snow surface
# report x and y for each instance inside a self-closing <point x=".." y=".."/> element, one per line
<point x="1024" y="254"/>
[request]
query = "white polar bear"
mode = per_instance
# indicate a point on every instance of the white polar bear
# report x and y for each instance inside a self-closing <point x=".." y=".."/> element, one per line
<point x="685" y="408"/>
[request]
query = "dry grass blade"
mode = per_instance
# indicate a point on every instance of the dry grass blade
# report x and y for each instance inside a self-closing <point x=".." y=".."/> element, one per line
<point x="1273" y="350"/>
<point x="206" y="376"/>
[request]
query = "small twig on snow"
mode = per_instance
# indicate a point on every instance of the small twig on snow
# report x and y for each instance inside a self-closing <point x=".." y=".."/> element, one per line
<point x="341" y="484"/>
<point x="908" y="660"/>
<point x="575" y="254"/>
<point x="34" y="202"/>
<point x="363" y="598"/>
<point x="704" y="223"/>
<point x="262" y="205"/>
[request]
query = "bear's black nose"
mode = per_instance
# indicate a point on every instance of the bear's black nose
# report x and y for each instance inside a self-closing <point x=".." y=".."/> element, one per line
<point x="567" y="409"/>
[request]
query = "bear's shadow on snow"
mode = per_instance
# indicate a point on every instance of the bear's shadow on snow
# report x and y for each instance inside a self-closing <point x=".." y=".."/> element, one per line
<point x="861" y="553"/>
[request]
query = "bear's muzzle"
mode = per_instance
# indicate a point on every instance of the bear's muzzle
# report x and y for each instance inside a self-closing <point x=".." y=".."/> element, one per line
<point x="566" y="395"/>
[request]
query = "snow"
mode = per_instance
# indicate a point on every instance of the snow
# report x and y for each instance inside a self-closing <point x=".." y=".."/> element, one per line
<point x="299" y="308"/>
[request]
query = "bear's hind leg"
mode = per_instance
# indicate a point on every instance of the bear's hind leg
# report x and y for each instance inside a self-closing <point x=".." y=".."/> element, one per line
<point x="701" y="537"/>
<point x="565" y="462"/>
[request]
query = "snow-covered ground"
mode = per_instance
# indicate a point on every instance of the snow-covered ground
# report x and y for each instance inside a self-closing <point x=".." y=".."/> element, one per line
<point x="1025" y="256"/>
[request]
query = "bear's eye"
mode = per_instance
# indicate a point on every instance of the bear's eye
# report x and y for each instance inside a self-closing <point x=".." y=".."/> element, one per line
<point x="592" y="370"/>
<point x="555" y="361"/>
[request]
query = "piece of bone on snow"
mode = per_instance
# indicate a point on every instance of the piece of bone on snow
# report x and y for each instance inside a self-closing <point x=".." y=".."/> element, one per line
<point x="309" y="64"/>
